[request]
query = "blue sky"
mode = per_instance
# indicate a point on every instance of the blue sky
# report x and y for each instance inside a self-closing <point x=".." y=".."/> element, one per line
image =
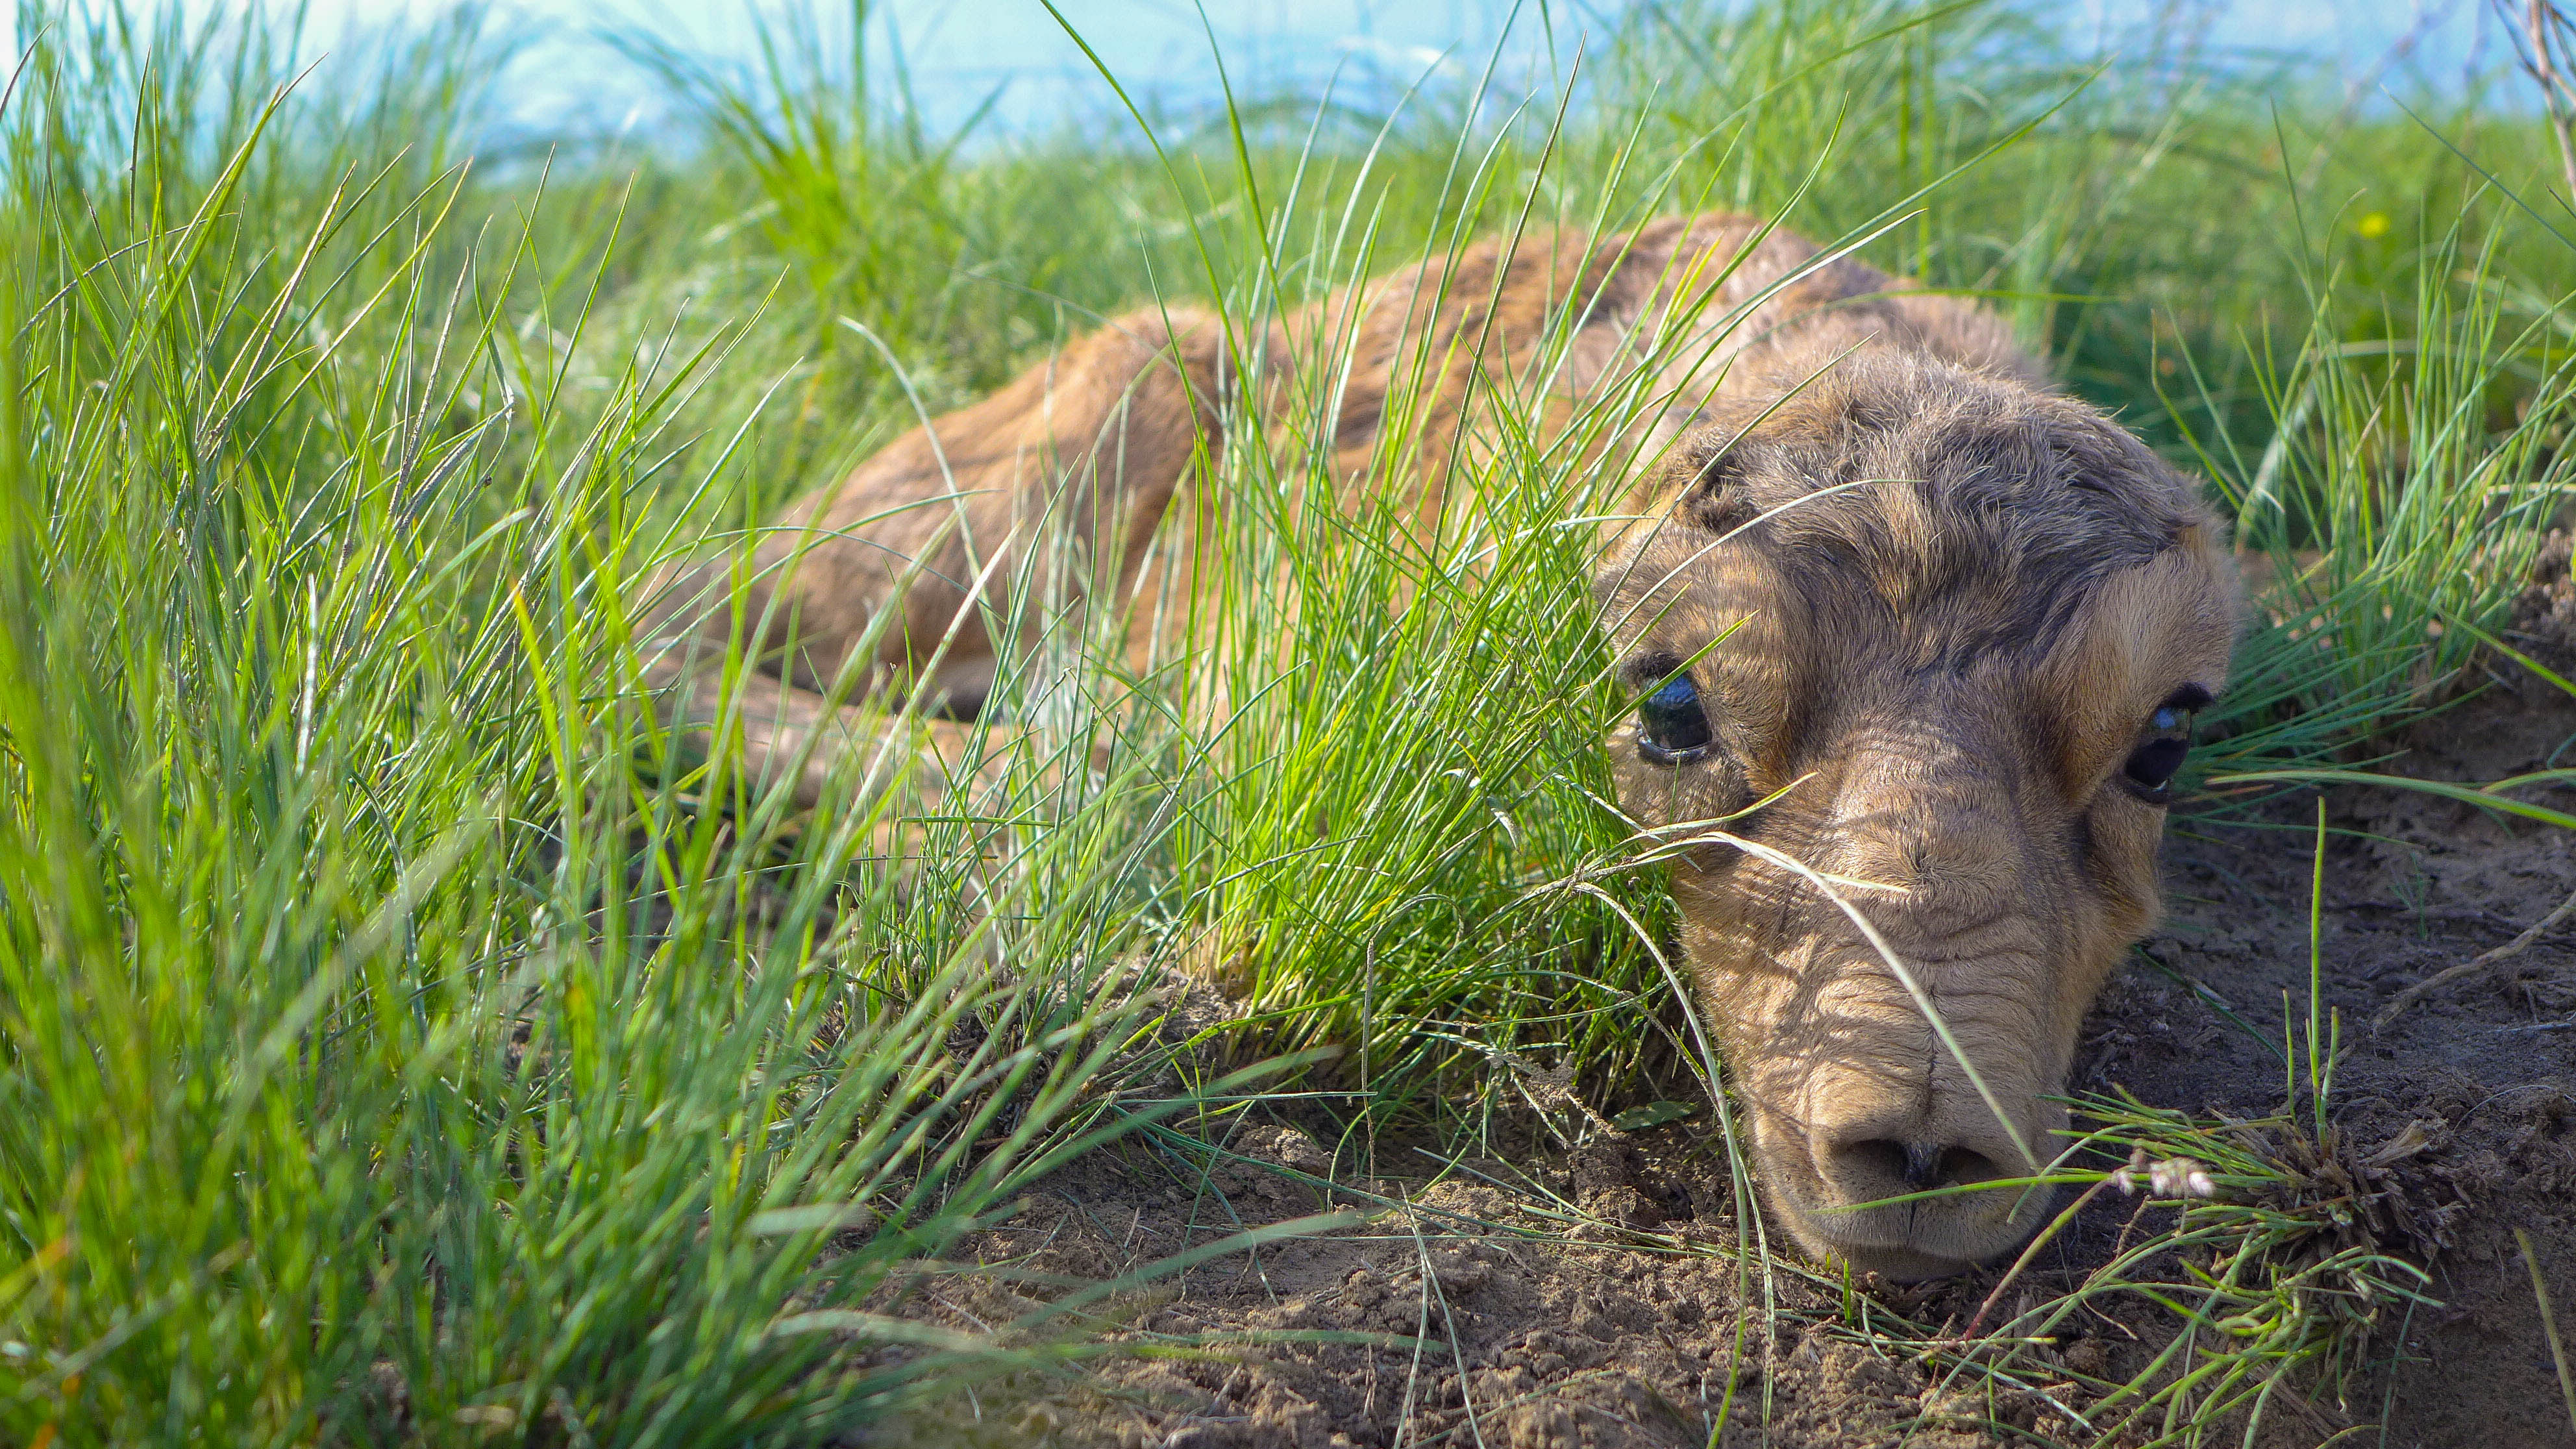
<point x="959" y="51"/>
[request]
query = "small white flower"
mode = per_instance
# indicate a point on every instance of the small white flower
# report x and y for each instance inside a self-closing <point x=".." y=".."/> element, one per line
<point x="2173" y="1177"/>
<point x="2181" y="1177"/>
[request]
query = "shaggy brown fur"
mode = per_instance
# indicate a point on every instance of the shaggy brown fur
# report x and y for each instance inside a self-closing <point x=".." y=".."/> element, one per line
<point x="1940" y="671"/>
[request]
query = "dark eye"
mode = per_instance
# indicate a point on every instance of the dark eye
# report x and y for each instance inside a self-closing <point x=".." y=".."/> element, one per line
<point x="2158" y="758"/>
<point x="1672" y="728"/>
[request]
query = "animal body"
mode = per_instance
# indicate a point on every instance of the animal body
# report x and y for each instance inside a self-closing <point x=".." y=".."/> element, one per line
<point x="1960" y="624"/>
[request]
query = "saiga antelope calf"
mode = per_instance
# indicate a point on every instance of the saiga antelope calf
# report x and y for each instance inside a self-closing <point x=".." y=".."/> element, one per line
<point x="1972" y="618"/>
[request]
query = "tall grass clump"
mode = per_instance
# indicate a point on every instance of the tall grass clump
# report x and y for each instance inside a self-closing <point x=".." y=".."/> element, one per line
<point x="379" y="1059"/>
<point x="1403" y="843"/>
<point x="2395" y="508"/>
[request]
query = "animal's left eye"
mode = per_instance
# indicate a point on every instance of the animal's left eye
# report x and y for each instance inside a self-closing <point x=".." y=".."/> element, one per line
<point x="2152" y="766"/>
<point x="1672" y="726"/>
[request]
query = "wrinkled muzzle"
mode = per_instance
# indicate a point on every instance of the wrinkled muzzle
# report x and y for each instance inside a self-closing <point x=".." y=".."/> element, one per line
<point x="1857" y="1098"/>
<point x="1857" y="1102"/>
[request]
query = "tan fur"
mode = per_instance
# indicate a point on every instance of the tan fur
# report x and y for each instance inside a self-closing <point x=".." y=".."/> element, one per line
<point x="1940" y="670"/>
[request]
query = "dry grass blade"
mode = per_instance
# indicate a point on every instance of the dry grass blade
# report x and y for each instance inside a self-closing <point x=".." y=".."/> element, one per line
<point x="2549" y="1324"/>
<point x="2475" y="965"/>
<point x="2545" y="43"/>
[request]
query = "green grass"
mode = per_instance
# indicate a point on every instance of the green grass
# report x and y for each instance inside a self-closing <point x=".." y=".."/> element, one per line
<point x="403" y="1039"/>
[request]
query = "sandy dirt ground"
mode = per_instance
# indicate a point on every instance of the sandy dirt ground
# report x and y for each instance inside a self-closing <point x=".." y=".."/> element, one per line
<point x="1541" y="1298"/>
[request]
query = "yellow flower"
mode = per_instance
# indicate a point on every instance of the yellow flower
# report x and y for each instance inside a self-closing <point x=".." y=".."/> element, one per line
<point x="2372" y="226"/>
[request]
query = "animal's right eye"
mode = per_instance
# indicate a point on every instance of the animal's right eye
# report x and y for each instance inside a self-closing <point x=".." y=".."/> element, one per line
<point x="1672" y="727"/>
<point x="2151" y="767"/>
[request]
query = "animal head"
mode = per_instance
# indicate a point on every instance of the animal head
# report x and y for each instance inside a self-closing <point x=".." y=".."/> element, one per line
<point x="1927" y="641"/>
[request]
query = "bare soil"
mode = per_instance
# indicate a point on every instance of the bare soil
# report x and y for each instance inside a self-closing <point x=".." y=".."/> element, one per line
<point x="1541" y="1299"/>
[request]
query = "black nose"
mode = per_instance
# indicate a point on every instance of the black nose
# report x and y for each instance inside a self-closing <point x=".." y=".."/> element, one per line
<point x="1926" y="1165"/>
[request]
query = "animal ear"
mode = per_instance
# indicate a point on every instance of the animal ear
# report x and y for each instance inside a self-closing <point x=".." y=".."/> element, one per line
<point x="1715" y="497"/>
<point x="2075" y="465"/>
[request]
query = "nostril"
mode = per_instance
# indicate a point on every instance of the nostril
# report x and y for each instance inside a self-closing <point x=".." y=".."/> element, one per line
<point x="1920" y="1166"/>
<point x="1966" y="1165"/>
<point x="1875" y="1162"/>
